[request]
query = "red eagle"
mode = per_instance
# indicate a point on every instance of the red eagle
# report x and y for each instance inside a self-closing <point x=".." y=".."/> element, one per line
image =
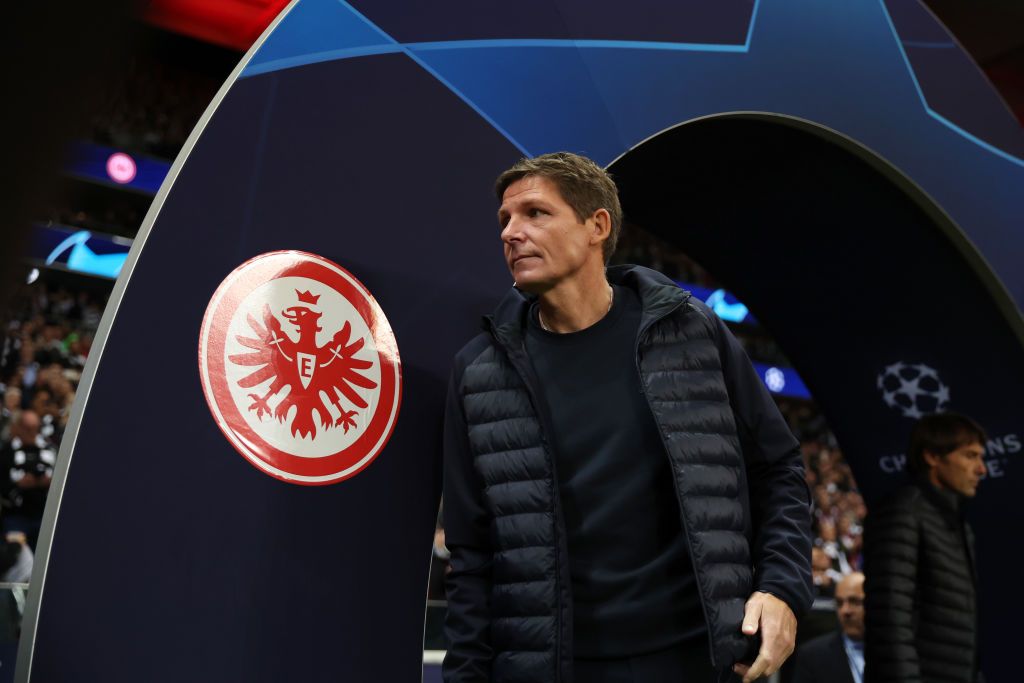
<point x="304" y="367"/>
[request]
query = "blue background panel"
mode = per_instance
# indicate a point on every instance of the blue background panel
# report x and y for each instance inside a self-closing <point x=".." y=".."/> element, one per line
<point x="328" y="29"/>
<point x="951" y="83"/>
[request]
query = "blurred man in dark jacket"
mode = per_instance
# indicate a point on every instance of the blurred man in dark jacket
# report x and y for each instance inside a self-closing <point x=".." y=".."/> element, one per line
<point x="921" y="608"/>
<point x="837" y="657"/>
<point x="623" y="500"/>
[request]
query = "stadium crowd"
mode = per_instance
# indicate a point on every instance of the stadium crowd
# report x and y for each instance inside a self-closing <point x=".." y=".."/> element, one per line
<point x="147" y="107"/>
<point x="152" y="111"/>
<point x="48" y="332"/>
<point x="839" y="510"/>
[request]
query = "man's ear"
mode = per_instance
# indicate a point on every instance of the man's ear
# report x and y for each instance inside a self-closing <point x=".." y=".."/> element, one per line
<point x="930" y="458"/>
<point x="602" y="226"/>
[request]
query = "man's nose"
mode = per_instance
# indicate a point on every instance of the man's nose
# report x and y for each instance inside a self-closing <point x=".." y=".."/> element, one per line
<point x="511" y="231"/>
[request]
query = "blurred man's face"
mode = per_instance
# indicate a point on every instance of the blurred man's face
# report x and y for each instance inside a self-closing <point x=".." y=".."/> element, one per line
<point x="850" y="605"/>
<point x="27" y="426"/>
<point x="958" y="471"/>
<point x="12" y="399"/>
<point x="820" y="564"/>
<point x="40" y="402"/>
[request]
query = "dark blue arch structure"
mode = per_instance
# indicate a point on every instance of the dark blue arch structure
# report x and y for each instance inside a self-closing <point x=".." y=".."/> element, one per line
<point x="369" y="133"/>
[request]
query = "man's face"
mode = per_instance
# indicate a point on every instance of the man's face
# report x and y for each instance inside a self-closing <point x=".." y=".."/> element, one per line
<point x="545" y="243"/>
<point x="850" y="606"/>
<point x="960" y="470"/>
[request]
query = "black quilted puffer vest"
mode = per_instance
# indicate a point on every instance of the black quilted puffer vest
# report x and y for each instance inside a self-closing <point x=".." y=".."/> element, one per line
<point x="920" y="591"/>
<point x="680" y="369"/>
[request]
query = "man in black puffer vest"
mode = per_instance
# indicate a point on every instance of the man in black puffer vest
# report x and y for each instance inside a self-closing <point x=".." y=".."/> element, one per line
<point x="623" y="501"/>
<point x="921" y="609"/>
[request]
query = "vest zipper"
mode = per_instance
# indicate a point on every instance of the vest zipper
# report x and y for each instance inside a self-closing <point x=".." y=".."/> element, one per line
<point x="521" y="364"/>
<point x="675" y="481"/>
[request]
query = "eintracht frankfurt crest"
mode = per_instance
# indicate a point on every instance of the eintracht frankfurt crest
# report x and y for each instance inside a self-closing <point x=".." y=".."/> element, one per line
<point x="300" y="368"/>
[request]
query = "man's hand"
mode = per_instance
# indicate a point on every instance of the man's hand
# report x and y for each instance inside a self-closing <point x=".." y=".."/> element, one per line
<point x="777" y="624"/>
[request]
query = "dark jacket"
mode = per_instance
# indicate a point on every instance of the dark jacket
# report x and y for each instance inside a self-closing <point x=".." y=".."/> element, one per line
<point x="823" y="660"/>
<point x="744" y="509"/>
<point x="920" y="606"/>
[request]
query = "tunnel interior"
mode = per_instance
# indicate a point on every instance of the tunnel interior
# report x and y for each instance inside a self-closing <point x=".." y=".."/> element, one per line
<point x="843" y="261"/>
<point x="853" y="271"/>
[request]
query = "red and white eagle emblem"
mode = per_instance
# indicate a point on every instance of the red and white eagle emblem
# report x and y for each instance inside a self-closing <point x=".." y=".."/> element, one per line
<point x="300" y="367"/>
<point x="294" y="365"/>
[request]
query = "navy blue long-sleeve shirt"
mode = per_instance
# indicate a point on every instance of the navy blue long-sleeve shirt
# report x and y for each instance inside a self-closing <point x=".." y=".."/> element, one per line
<point x="633" y="585"/>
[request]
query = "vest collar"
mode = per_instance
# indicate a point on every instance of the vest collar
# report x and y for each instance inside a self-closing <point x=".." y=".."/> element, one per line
<point x="950" y="503"/>
<point x="658" y="297"/>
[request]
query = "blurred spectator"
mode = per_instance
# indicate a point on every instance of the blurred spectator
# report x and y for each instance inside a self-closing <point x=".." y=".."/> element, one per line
<point x="434" y="637"/>
<point x="48" y="336"/>
<point x="850" y="530"/>
<point x="27" y="460"/>
<point x="439" y="567"/>
<point x="828" y="541"/>
<point x="155" y="108"/>
<point x="822" y="573"/>
<point x="838" y="507"/>
<point x="643" y="248"/>
<point x="11" y="405"/>
<point x="15" y="558"/>
<point x="837" y="657"/>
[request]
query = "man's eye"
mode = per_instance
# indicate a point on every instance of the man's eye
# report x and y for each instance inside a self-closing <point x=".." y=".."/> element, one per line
<point x="536" y="212"/>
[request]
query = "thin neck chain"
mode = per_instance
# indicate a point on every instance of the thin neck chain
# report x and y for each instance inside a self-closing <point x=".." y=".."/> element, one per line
<point x="540" y="315"/>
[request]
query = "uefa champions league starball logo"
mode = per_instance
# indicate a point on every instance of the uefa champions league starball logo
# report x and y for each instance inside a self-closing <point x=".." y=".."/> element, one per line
<point x="914" y="389"/>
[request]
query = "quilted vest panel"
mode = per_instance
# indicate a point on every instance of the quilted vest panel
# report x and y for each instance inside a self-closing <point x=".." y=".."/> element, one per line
<point x="681" y="370"/>
<point x="505" y="437"/>
<point x="681" y="373"/>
